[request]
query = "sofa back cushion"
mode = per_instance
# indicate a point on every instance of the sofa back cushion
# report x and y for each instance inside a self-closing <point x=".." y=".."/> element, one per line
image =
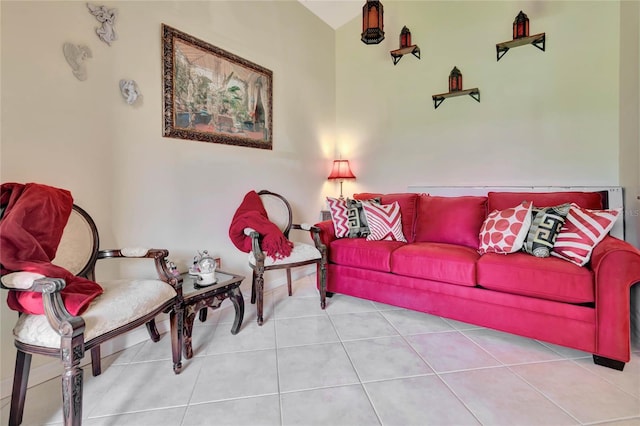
<point x="408" y="205"/>
<point x="453" y="220"/>
<point x="505" y="200"/>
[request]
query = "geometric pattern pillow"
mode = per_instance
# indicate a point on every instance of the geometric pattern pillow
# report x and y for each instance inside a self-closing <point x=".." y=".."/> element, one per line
<point x="504" y="231"/>
<point x="582" y="231"/>
<point x="545" y="226"/>
<point x="339" y="216"/>
<point x="356" y="218"/>
<point x="385" y="221"/>
<point x="348" y="217"/>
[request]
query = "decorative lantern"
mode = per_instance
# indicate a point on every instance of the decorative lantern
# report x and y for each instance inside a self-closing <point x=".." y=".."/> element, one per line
<point x="455" y="80"/>
<point x="405" y="37"/>
<point x="521" y="26"/>
<point x="372" y="22"/>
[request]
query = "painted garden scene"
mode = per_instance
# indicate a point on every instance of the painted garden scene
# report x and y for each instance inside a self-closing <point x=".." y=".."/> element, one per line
<point x="216" y="96"/>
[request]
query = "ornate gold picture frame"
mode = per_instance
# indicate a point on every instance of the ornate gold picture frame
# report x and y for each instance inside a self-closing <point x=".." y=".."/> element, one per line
<point x="212" y="95"/>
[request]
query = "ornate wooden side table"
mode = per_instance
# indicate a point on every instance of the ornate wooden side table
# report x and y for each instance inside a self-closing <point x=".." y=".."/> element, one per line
<point x="196" y="299"/>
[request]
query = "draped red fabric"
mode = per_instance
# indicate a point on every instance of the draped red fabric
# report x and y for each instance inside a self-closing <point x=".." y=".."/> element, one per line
<point x="33" y="220"/>
<point x="251" y="214"/>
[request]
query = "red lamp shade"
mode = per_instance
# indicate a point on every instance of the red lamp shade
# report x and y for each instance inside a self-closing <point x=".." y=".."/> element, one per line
<point x="405" y="37"/>
<point x="341" y="170"/>
<point x="372" y="22"/>
<point x="455" y="80"/>
<point x="521" y="26"/>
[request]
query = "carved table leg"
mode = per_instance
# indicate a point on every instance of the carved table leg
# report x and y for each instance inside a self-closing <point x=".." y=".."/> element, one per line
<point x="202" y="315"/>
<point x="187" y="330"/>
<point x="238" y="304"/>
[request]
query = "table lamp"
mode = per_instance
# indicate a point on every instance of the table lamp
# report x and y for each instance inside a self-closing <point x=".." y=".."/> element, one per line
<point x="341" y="171"/>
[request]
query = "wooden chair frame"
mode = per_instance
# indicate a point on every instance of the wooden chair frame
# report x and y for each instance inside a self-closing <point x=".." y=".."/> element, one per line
<point x="71" y="329"/>
<point x="257" y="284"/>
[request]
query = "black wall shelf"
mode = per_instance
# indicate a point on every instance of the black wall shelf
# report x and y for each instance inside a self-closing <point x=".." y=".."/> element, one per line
<point x="438" y="99"/>
<point x="538" y="40"/>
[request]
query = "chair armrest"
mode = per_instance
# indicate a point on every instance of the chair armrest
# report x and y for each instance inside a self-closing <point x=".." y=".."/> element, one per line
<point x="57" y="315"/>
<point x="158" y="255"/>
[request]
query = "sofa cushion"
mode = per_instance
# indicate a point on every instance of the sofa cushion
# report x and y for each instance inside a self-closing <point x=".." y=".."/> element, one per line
<point x="436" y="261"/>
<point x="504" y="231"/>
<point x="454" y="220"/>
<point x="408" y="203"/>
<point x="359" y="253"/>
<point x="583" y="229"/>
<point x="504" y="200"/>
<point x="546" y="278"/>
<point x="546" y="223"/>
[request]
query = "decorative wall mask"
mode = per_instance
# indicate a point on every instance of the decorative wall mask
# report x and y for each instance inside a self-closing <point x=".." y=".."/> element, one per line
<point x="76" y="55"/>
<point x="130" y="91"/>
<point x="107" y="17"/>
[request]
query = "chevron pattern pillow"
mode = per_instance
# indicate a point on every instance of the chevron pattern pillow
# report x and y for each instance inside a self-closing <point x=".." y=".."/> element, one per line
<point x="582" y="231"/>
<point x="385" y="221"/>
<point x="339" y="216"/>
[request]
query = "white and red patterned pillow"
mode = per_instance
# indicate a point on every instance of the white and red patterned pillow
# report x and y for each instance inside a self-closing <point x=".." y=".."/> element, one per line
<point x="583" y="229"/>
<point x="385" y="221"/>
<point x="504" y="231"/>
<point x="339" y="216"/>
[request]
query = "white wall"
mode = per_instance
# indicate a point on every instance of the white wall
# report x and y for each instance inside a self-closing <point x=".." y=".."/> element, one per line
<point x="141" y="188"/>
<point x="545" y="118"/>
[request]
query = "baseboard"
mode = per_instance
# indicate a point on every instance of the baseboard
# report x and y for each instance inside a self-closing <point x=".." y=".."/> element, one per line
<point x="52" y="369"/>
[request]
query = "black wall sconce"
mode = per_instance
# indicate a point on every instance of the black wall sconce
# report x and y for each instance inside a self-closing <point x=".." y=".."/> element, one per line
<point x="521" y="37"/>
<point x="372" y="22"/>
<point x="405" y="46"/>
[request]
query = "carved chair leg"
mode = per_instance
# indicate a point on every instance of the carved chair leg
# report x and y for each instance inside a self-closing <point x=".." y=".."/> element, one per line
<point x="260" y="296"/>
<point x="289" y="281"/>
<point x="322" y="270"/>
<point x="153" y="330"/>
<point x="19" y="393"/>
<point x="96" y="367"/>
<point x="72" y="378"/>
<point x="176" y="320"/>
<point x="253" y="287"/>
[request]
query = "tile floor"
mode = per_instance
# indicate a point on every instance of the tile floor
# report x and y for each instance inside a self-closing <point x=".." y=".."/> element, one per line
<point x="357" y="363"/>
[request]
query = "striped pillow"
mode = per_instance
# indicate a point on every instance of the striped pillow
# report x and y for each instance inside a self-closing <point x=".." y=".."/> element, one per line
<point x="385" y="221"/>
<point x="582" y="231"/>
<point x="339" y="216"/>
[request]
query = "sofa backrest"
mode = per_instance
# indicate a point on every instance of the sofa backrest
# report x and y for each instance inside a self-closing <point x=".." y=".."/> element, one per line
<point x="408" y="205"/>
<point x="452" y="220"/>
<point x="505" y="200"/>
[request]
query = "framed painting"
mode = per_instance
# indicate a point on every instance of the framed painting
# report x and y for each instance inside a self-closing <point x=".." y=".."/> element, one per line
<point x="212" y="95"/>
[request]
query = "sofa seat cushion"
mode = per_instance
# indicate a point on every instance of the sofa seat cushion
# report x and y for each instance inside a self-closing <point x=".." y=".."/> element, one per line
<point x="436" y="261"/>
<point x="360" y="253"/>
<point x="546" y="278"/>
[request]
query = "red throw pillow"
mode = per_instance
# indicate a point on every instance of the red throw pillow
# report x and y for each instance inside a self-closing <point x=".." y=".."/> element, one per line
<point x="385" y="221"/>
<point x="504" y="231"/>
<point x="582" y="231"/>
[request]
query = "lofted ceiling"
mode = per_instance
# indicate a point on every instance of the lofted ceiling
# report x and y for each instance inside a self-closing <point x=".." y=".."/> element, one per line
<point x="335" y="13"/>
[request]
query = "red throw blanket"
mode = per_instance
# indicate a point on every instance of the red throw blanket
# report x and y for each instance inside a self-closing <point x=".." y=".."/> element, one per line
<point x="251" y="214"/>
<point x="30" y="230"/>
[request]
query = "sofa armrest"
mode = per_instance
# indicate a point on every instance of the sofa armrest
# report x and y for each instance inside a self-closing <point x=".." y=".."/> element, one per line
<point x="616" y="267"/>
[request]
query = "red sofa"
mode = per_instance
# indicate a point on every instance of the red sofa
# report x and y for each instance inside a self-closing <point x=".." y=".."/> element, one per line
<point x="439" y="271"/>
